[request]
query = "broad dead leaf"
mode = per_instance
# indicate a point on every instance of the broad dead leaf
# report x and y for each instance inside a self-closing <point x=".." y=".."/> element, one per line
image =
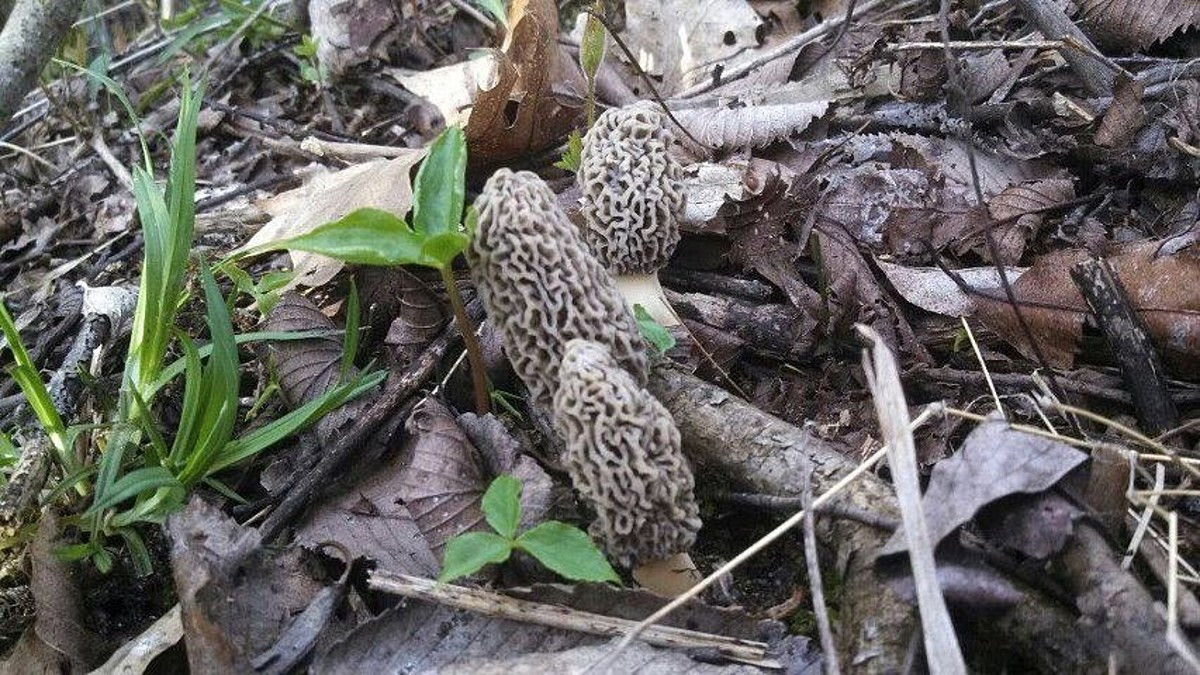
<point x="684" y="40"/>
<point x="537" y="97"/>
<point x="382" y="184"/>
<point x="1135" y="24"/>
<point x="994" y="462"/>
<point x="933" y="290"/>
<point x="441" y="480"/>
<point x="345" y="37"/>
<point x="1124" y="117"/>
<point x="1163" y="289"/>
<point x="310" y="367"/>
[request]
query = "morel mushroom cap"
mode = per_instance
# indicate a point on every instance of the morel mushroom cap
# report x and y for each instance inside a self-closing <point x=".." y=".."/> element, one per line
<point x="624" y="457"/>
<point x="631" y="190"/>
<point x="542" y="287"/>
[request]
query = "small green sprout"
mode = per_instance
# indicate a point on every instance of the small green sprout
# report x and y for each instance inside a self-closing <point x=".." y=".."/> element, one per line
<point x="565" y="549"/>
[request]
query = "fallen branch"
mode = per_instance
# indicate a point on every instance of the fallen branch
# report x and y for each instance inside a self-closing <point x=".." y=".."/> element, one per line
<point x="565" y="618"/>
<point x="30" y="37"/>
<point x="1053" y="23"/>
<point x="725" y="436"/>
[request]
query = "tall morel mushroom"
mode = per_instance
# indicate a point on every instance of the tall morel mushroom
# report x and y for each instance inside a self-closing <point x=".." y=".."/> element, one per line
<point x="624" y="457"/>
<point x="631" y="198"/>
<point x="542" y="287"/>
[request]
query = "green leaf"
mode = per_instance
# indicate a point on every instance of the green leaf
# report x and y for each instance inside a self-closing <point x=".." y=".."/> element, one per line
<point x="496" y="9"/>
<point x="573" y="156"/>
<point x="440" y="250"/>
<point x="363" y="237"/>
<point x="470" y="551"/>
<point x="652" y="330"/>
<point x="568" y="551"/>
<point x="502" y="505"/>
<point x="440" y="187"/>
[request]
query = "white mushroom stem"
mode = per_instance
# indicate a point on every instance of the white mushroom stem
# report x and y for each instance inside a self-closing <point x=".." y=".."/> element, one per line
<point x="647" y="291"/>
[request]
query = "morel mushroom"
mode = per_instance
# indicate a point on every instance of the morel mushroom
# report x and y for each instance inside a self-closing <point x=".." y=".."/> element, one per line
<point x="632" y="195"/>
<point x="542" y="287"/>
<point x="624" y="457"/>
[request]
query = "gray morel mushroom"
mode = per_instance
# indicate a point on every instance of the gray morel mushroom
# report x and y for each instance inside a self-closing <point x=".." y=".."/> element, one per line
<point x="631" y="198"/>
<point x="542" y="287"/>
<point x="624" y="456"/>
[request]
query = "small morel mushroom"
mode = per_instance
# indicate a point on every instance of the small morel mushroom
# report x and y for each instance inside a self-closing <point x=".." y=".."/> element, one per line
<point x="624" y="457"/>
<point x="631" y="197"/>
<point x="542" y="287"/>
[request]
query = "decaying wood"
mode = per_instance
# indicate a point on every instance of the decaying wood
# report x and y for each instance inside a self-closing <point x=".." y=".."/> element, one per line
<point x="555" y="616"/>
<point x="29" y="38"/>
<point x="748" y="449"/>
<point x="780" y="331"/>
<point x="727" y="437"/>
<point x="1116" y="606"/>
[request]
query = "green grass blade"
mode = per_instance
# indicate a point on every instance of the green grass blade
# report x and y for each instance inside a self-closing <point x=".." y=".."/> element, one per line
<point x="266" y="436"/>
<point x="25" y="373"/>
<point x="350" y="342"/>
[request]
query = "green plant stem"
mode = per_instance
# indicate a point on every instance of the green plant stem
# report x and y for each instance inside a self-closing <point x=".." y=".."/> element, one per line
<point x="474" y="353"/>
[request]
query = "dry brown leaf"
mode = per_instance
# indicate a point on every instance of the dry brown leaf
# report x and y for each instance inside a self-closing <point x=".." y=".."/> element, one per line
<point x="382" y="184"/>
<point x="305" y="368"/>
<point x="1124" y="117"/>
<point x="1135" y="24"/>
<point x="441" y="480"/>
<point x="537" y="96"/>
<point x="1163" y="289"/>
<point x="753" y="126"/>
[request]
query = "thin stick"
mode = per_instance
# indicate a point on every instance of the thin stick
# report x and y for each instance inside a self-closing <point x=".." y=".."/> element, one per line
<point x="815" y="586"/>
<point x="28" y="153"/>
<point x="757" y="546"/>
<point x="555" y="616"/>
<point x="975" y="45"/>
<point x="942" y="651"/>
<point x="1143" y="523"/>
<point x="982" y="364"/>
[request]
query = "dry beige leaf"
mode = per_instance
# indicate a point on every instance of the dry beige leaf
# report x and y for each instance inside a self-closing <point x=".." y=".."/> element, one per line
<point x="683" y="40"/>
<point x="933" y="290"/>
<point x="752" y="126"/>
<point x="1135" y="24"/>
<point x="380" y="184"/>
<point x="346" y="37"/>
